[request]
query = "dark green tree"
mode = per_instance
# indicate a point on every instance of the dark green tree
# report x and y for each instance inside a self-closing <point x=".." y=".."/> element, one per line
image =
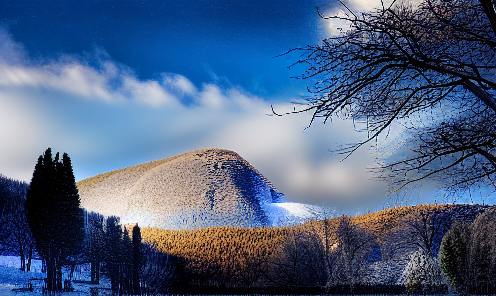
<point x="454" y="255"/>
<point x="468" y="257"/>
<point x="137" y="259"/>
<point x="113" y="256"/>
<point x="54" y="214"/>
<point x="95" y="235"/>
<point x="126" y="263"/>
<point x="482" y="254"/>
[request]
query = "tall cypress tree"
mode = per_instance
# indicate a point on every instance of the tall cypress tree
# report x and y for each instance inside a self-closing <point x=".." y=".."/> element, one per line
<point x="54" y="214"/>
<point x="113" y="257"/>
<point x="137" y="259"/>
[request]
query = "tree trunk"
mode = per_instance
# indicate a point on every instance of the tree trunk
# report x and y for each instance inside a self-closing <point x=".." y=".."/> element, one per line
<point x="97" y="271"/>
<point x="93" y="272"/>
<point x="23" y="259"/>
<point x="50" y="281"/>
<point x="30" y="256"/>
<point x="114" y="281"/>
<point x="54" y="275"/>
<point x="59" y="277"/>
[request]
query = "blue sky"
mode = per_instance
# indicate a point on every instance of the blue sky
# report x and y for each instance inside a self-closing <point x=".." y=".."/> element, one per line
<point x="118" y="83"/>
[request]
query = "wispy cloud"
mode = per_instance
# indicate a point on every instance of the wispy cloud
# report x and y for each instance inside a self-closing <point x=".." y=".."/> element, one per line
<point x="106" y="118"/>
<point x="357" y="7"/>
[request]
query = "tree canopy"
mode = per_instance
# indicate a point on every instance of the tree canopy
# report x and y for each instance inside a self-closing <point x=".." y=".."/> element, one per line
<point x="430" y="67"/>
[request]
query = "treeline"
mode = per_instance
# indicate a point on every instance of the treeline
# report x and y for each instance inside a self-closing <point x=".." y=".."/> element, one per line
<point x="219" y="257"/>
<point x="421" y="249"/>
<point x="239" y="258"/>
<point x="392" y="251"/>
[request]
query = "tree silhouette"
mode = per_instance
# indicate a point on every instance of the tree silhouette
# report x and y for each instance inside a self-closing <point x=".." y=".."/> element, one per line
<point x="53" y="214"/>
<point x="15" y="234"/>
<point x="430" y="67"/>
<point x="137" y="259"/>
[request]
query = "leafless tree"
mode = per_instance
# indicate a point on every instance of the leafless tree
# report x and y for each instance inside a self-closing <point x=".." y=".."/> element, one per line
<point x="16" y="233"/>
<point x="353" y="242"/>
<point x="424" y="229"/>
<point x="404" y="63"/>
<point x="160" y="270"/>
<point x="299" y="261"/>
<point x="482" y="254"/>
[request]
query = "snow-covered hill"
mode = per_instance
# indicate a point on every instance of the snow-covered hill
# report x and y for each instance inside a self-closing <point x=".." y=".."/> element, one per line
<point x="208" y="187"/>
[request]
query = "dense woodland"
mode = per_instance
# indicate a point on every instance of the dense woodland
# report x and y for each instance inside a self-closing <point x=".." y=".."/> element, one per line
<point x="400" y="249"/>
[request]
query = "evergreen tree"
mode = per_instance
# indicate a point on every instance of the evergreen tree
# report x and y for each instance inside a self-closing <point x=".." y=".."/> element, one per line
<point x="95" y="243"/>
<point x="126" y="263"/>
<point x="54" y="214"/>
<point x="113" y="252"/>
<point x="454" y="255"/>
<point x="137" y="259"/>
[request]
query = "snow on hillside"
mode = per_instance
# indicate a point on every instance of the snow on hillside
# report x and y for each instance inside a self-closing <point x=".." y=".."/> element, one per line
<point x="288" y="213"/>
<point x="278" y="214"/>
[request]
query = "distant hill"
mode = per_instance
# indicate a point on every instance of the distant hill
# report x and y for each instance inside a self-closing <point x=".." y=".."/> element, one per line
<point x="208" y="187"/>
<point x="236" y="253"/>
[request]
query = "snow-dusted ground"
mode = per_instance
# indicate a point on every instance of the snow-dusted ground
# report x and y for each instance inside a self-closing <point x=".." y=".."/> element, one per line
<point x="290" y="213"/>
<point x="11" y="277"/>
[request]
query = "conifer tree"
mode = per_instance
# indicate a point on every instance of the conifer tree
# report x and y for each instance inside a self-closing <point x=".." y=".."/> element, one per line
<point x="113" y="252"/>
<point x="454" y="255"/>
<point x="137" y="259"/>
<point x="54" y="214"/>
<point x="95" y="243"/>
<point x="126" y="263"/>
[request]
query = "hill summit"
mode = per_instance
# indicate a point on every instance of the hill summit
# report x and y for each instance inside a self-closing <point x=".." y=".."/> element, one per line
<point x="208" y="187"/>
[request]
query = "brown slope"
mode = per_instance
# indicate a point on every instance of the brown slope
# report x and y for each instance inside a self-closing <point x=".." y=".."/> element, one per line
<point x="235" y="251"/>
<point x="208" y="187"/>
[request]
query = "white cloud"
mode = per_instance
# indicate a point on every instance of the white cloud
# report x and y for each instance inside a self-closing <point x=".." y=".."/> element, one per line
<point x="80" y="80"/>
<point x="149" y="92"/>
<point x="11" y="51"/>
<point x="106" y="118"/>
<point x="211" y="97"/>
<point x="179" y="83"/>
<point x="337" y="26"/>
<point x="297" y="161"/>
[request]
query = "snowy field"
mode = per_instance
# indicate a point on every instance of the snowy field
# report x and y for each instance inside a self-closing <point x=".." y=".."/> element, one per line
<point x="11" y="277"/>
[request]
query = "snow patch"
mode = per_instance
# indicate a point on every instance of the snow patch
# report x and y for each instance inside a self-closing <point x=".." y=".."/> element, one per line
<point x="289" y="213"/>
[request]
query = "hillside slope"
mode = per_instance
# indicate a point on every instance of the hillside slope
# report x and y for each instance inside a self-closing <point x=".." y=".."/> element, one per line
<point x="236" y="254"/>
<point x="208" y="187"/>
